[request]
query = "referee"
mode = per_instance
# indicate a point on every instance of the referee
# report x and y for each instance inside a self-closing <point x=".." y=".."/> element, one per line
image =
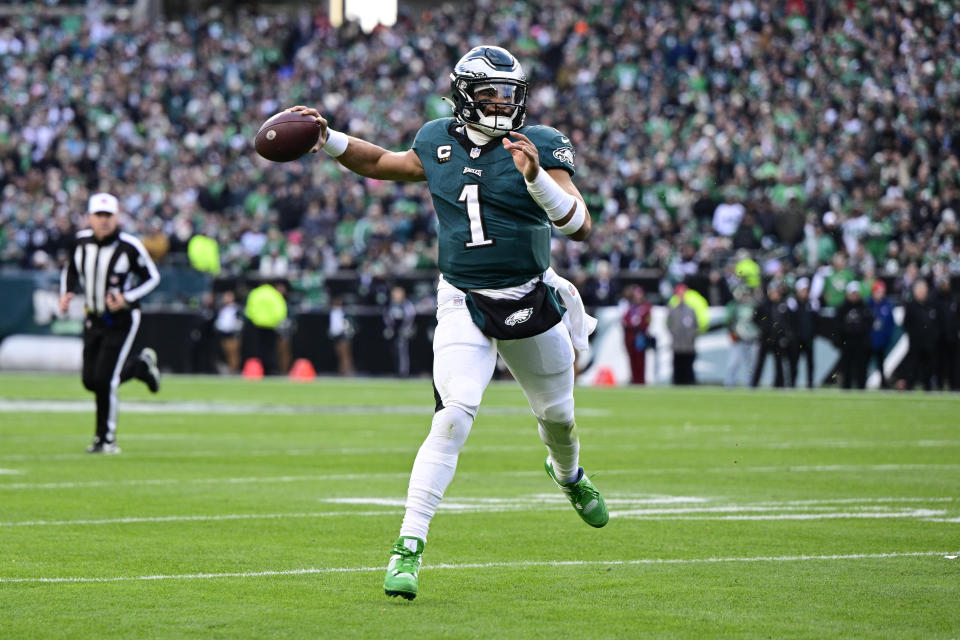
<point x="114" y="272"/>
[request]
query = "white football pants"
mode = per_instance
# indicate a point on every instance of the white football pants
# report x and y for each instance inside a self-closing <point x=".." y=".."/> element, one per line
<point x="463" y="363"/>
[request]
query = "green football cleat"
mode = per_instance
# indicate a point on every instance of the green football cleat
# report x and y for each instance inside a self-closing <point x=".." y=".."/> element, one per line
<point x="583" y="496"/>
<point x="404" y="568"/>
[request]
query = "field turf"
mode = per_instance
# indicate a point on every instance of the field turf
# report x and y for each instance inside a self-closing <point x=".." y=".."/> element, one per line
<point x="266" y="510"/>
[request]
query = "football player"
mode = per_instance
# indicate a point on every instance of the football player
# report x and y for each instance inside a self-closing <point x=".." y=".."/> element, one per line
<point x="499" y="186"/>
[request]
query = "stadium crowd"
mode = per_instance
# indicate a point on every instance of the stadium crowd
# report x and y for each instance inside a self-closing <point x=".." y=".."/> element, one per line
<point x="818" y="138"/>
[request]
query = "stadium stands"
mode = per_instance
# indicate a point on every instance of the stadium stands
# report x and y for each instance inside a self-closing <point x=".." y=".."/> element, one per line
<point x="791" y="130"/>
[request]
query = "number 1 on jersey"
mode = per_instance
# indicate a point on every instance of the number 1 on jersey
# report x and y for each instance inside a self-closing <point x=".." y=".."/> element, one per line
<point x="471" y="196"/>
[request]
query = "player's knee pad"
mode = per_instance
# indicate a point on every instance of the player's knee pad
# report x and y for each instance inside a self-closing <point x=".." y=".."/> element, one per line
<point x="449" y="430"/>
<point x="462" y="391"/>
<point x="556" y="415"/>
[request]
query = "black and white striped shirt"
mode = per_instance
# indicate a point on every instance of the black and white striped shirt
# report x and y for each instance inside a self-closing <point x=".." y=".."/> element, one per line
<point x="118" y="263"/>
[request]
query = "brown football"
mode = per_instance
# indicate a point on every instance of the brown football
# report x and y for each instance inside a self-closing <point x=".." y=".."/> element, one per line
<point x="287" y="136"/>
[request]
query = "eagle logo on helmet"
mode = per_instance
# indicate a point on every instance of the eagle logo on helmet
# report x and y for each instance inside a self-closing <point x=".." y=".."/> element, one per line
<point x="494" y="71"/>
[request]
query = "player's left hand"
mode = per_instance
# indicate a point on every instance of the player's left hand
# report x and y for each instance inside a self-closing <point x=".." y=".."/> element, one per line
<point x="115" y="301"/>
<point x="525" y="154"/>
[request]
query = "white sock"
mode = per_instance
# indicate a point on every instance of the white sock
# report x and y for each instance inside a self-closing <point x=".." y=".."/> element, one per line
<point x="433" y="469"/>
<point x="563" y="445"/>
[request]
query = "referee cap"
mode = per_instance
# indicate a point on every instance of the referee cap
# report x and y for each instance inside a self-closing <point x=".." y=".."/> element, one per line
<point x="103" y="202"/>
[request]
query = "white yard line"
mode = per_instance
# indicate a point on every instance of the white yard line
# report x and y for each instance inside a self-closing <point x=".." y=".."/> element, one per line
<point x="644" y="507"/>
<point x="223" y="408"/>
<point x="847" y="444"/>
<point x="361" y="451"/>
<point x="326" y="451"/>
<point x="926" y="514"/>
<point x="843" y="467"/>
<point x="749" y="508"/>
<point x="486" y="565"/>
<point x="199" y="518"/>
<point x="857" y="501"/>
<point x="175" y="481"/>
<point x="370" y="476"/>
<point x="739" y="467"/>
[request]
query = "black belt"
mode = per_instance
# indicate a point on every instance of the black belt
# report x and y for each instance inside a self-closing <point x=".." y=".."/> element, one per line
<point x="110" y="318"/>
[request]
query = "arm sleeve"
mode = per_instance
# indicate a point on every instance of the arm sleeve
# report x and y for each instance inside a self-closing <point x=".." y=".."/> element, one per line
<point x="145" y="269"/>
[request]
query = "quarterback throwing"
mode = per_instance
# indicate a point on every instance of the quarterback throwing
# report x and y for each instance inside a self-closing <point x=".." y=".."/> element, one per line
<point x="499" y="186"/>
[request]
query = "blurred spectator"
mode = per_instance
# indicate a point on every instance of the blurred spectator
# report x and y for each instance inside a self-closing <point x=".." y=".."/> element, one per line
<point x="683" y="327"/>
<point x="266" y="310"/>
<point x="636" y="322"/>
<point x="341" y="332"/>
<point x="156" y="241"/>
<point x="748" y="233"/>
<point x="399" y="328"/>
<point x="202" y="345"/>
<point x="729" y="213"/>
<point x="747" y="270"/>
<point x="743" y="332"/>
<point x="285" y="331"/>
<point x="922" y="324"/>
<point x="948" y="351"/>
<point x="228" y="326"/>
<point x="775" y="320"/>
<point x="718" y="289"/>
<point x="881" y="333"/>
<point x="603" y="289"/>
<point x="805" y="313"/>
<point x="855" y="322"/>
<point x="831" y="281"/>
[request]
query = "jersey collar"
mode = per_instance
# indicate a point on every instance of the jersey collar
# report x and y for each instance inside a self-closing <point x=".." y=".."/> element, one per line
<point x="457" y="132"/>
<point x="108" y="240"/>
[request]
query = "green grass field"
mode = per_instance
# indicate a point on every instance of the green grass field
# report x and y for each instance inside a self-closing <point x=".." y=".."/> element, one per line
<point x="267" y="509"/>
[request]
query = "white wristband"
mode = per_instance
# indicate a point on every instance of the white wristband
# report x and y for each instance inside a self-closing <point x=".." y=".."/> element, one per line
<point x="576" y="221"/>
<point x="336" y="143"/>
<point x="550" y="196"/>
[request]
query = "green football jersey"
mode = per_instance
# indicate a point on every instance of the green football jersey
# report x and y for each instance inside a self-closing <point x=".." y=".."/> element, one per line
<point x="491" y="233"/>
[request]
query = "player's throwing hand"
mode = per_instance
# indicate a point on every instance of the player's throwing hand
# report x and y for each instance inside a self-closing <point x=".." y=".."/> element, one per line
<point x="525" y="155"/>
<point x="310" y="111"/>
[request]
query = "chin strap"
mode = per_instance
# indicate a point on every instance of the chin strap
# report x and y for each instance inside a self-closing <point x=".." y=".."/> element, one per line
<point x="476" y="136"/>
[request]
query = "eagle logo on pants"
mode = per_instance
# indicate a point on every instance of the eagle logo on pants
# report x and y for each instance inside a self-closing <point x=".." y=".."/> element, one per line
<point x="518" y="316"/>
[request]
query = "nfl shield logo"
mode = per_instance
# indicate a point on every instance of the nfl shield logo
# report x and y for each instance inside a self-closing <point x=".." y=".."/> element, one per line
<point x="475" y="153"/>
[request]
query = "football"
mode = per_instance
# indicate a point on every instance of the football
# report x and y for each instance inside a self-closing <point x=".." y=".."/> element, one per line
<point x="287" y="136"/>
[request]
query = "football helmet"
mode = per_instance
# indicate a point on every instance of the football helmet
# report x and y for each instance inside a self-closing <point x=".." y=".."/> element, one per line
<point x="489" y="90"/>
